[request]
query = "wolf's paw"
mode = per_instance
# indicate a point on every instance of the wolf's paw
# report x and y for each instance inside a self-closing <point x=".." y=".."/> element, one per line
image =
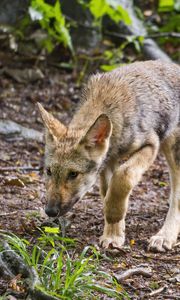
<point x="161" y="242"/>
<point x="112" y="241"/>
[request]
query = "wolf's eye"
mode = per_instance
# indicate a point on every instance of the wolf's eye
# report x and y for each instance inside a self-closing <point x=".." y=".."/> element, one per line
<point x="48" y="171"/>
<point x="72" y="175"/>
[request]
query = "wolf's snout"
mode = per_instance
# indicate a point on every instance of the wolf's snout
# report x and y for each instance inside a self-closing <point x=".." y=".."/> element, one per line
<point x="52" y="211"/>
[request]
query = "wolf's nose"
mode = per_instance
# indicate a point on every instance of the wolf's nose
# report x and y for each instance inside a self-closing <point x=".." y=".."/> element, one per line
<point x="51" y="211"/>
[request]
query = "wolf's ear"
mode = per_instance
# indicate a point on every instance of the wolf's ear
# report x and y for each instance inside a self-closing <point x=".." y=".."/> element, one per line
<point x="54" y="128"/>
<point x="99" y="133"/>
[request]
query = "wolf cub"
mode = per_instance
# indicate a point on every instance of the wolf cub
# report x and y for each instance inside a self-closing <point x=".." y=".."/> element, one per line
<point x="131" y="112"/>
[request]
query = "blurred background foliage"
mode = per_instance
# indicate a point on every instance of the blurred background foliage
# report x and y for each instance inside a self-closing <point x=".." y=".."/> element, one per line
<point x="86" y="33"/>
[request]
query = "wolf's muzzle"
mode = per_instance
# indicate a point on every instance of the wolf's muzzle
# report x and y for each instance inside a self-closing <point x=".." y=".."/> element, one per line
<point x="52" y="211"/>
<point x="60" y="210"/>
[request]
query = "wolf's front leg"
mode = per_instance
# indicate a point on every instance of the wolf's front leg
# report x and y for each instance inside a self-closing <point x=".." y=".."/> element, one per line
<point x="121" y="184"/>
<point x="114" y="234"/>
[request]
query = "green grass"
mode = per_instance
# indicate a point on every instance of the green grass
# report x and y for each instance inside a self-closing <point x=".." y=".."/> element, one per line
<point x="63" y="272"/>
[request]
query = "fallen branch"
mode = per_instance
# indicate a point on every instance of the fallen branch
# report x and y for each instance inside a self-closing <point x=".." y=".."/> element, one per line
<point x="146" y="272"/>
<point x="4" y="270"/>
<point x="14" y="262"/>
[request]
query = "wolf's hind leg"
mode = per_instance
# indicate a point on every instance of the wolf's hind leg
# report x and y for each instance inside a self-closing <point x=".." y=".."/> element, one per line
<point x="121" y="184"/>
<point x="167" y="236"/>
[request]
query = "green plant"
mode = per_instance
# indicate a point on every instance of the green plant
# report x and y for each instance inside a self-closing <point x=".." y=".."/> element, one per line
<point x="166" y="5"/>
<point x="100" y="8"/>
<point x="53" y="21"/>
<point x="63" y="273"/>
<point x="56" y="30"/>
<point x="114" y="56"/>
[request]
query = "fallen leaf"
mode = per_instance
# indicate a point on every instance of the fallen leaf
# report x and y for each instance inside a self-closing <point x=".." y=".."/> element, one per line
<point x="132" y="242"/>
<point x="14" y="181"/>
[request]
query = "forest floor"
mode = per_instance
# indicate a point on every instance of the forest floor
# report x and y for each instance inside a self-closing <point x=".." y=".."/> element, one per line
<point x="22" y="192"/>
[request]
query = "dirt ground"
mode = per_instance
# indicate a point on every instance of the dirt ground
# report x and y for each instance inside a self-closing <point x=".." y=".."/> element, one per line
<point x="22" y="193"/>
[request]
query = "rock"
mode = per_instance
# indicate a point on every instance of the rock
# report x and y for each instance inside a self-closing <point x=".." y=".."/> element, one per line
<point x="8" y="127"/>
<point x="12" y="11"/>
<point x="25" y="75"/>
<point x="83" y="36"/>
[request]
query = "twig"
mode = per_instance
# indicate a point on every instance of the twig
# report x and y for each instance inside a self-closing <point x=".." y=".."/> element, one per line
<point x="164" y="34"/>
<point x="8" y="214"/>
<point x="118" y="35"/>
<point x="176" y="258"/>
<point x="24" y="168"/>
<point x="146" y="272"/>
<point x="112" y="248"/>
<point x="155" y="35"/>
<point x="171" y="297"/>
<point x="80" y="23"/>
<point x="158" y="291"/>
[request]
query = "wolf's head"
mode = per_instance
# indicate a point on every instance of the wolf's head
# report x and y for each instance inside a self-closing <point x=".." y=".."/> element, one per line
<point x="73" y="157"/>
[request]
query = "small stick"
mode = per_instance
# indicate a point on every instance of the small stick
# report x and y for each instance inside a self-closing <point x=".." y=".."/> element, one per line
<point x="158" y="291"/>
<point x="146" y="272"/>
<point x="8" y="214"/>
<point x="176" y="258"/>
<point x="171" y="297"/>
<point x="25" y="168"/>
<point x="156" y="35"/>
